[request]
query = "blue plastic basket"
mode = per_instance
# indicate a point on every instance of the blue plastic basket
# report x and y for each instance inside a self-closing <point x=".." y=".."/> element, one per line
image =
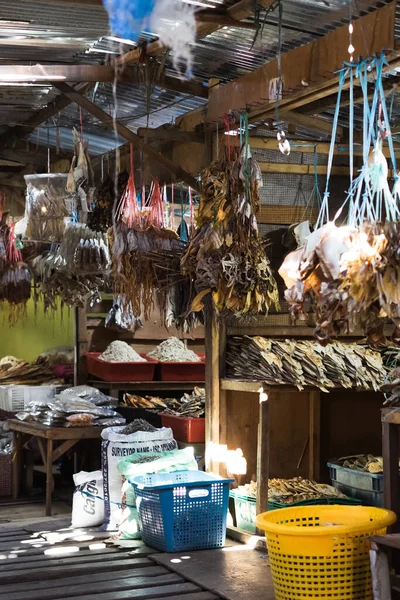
<point x="185" y="510"/>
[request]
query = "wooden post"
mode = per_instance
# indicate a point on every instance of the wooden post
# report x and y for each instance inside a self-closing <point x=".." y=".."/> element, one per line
<point x="212" y="386"/>
<point x="314" y="435"/>
<point x="49" y="476"/>
<point x="263" y="452"/>
<point x="391" y="480"/>
<point x="16" y="464"/>
<point x="81" y="346"/>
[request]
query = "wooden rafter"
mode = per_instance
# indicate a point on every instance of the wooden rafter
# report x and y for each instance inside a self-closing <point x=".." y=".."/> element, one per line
<point x="93" y="74"/>
<point x="107" y="122"/>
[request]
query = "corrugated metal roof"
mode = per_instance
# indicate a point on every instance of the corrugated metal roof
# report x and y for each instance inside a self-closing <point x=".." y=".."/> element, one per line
<point x="34" y="31"/>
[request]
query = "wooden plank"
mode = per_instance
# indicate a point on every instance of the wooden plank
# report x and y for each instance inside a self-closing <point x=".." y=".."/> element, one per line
<point x="170" y="134"/>
<point x="96" y="587"/>
<point x="390" y="415"/>
<point x="92" y="73"/>
<point x="313" y="123"/>
<point x="212" y="346"/>
<point x="193" y="596"/>
<point x="62" y="449"/>
<point x="108" y="575"/>
<point x="390" y="540"/>
<point x="263" y="457"/>
<point x="55" y="433"/>
<point x="241" y="386"/>
<point x="68" y="568"/>
<point x="314" y="63"/>
<point x="155" y="592"/>
<point x="107" y="122"/>
<point x="309" y="147"/>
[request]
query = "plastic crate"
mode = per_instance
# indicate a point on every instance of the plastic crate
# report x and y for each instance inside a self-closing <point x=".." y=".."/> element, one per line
<point x="245" y="511"/>
<point x="186" y="429"/>
<point x="367" y="487"/>
<point x="182" y="511"/>
<point x="14" y="398"/>
<point x="121" y="371"/>
<point x="182" y="371"/>
<point x="5" y="474"/>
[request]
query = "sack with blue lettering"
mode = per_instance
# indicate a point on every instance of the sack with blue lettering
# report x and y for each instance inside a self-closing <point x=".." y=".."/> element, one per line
<point x="116" y="446"/>
<point x="88" y="499"/>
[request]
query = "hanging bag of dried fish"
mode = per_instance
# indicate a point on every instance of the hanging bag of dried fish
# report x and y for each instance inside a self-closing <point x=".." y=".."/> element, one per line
<point x="346" y="270"/>
<point x="80" y="186"/>
<point x="227" y="256"/>
<point x="45" y="209"/>
<point x="15" y="283"/>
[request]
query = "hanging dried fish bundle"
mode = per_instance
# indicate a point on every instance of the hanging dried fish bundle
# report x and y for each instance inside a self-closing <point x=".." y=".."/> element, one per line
<point x="227" y="257"/>
<point x="15" y="282"/>
<point x="304" y="363"/>
<point x="76" y="270"/>
<point x="145" y="254"/>
<point x="80" y="182"/>
<point x="100" y="218"/>
<point x="351" y="273"/>
<point x="45" y="206"/>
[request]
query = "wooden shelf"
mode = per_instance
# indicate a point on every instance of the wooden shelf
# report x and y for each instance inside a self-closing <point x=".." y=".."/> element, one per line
<point x="236" y="385"/>
<point x="149" y="386"/>
<point x="391" y="415"/>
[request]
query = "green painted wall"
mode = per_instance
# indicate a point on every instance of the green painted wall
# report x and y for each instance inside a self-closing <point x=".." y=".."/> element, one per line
<point x="36" y="333"/>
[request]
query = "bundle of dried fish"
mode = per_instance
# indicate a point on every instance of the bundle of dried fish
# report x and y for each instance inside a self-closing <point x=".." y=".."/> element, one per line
<point x="363" y="462"/>
<point x="227" y="257"/>
<point x="22" y="372"/>
<point x="15" y="280"/>
<point x="100" y="218"/>
<point x="148" y="402"/>
<point x="80" y="183"/>
<point x="45" y="206"/>
<point x="190" y="405"/>
<point x="288" y="491"/>
<point x="76" y="270"/>
<point x="304" y="363"/>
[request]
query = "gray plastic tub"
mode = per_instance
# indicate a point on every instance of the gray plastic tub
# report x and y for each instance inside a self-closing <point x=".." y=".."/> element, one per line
<point x="367" y="487"/>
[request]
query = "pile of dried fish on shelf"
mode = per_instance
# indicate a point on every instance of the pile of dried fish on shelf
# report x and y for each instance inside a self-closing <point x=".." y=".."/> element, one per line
<point x="363" y="462"/>
<point x="303" y="363"/>
<point x="20" y="372"/>
<point x="288" y="491"/>
<point x="226" y="257"/>
<point x="190" y="405"/>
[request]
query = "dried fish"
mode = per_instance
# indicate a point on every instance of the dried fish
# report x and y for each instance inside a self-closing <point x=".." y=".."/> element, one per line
<point x="304" y="363"/>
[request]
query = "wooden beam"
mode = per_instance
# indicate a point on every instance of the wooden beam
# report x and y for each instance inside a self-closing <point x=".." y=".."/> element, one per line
<point x="289" y="116"/>
<point x="171" y="133"/>
<point x="93" y="74"/>
<point x="307" y="146"/>
<point x="314" y="63"/>
<point x="292" y="169"/>
<point x="238" y="12"/>
<point x="223" y="20"/>
<point x="107" y="122"/>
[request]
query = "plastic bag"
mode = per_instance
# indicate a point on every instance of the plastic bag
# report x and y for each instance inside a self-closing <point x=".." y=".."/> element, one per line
<point x="111" y="422"/>
<point x="81" y="420"/>
<point x="163" y="462"/>
<point x="80" y="390"/>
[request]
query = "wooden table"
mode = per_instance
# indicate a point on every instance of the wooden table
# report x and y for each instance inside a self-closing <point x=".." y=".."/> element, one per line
<point x="67" y="436"/>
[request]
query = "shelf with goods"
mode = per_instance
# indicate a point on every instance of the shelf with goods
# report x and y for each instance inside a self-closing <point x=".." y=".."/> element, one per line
<point x="282" y="431"/>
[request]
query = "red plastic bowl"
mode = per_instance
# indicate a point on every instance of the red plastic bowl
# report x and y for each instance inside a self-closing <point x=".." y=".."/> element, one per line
<point x="186" y="429"/>
<point x="121" y="371"/>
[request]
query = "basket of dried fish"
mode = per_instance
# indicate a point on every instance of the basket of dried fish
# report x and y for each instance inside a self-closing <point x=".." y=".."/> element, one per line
<point x="45" y="206"/>
<point x="140" y="370"/>
<point x="176" y="362"/>
<point x="359" y="476"/>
